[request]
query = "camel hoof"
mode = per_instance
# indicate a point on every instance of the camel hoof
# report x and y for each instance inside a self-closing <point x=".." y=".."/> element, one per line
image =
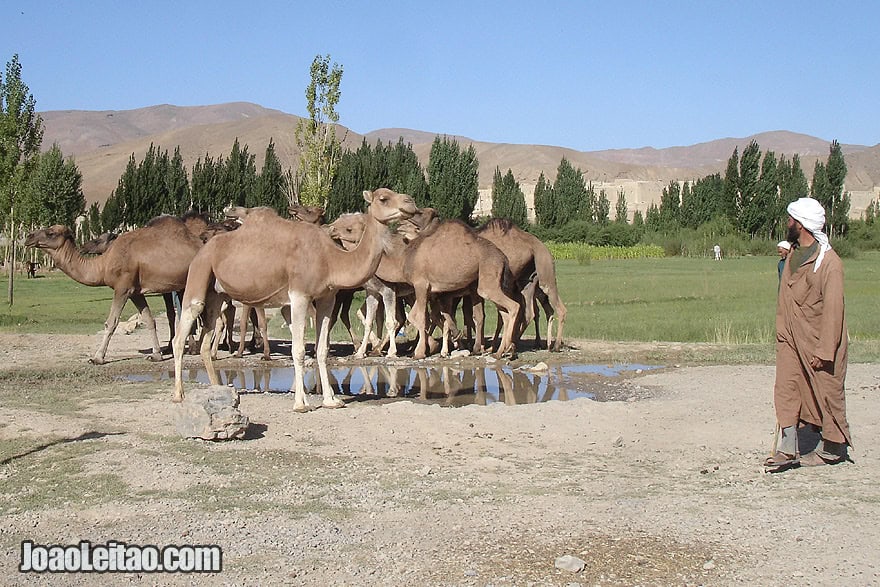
<point x="358" y="355"/>
<point x="303" y="409"/>
<point x="96" y="361"/>
<point x="336" y="403"/>
<point x="155" y="357"/>
<point x="265" y="358"/>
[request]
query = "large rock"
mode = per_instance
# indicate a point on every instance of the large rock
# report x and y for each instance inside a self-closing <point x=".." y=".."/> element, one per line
<point x="210" y="413"/>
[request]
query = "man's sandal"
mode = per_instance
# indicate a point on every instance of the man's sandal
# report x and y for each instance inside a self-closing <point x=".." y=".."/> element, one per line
<point x="780" y="462"/>
<point x="814" y="459"/>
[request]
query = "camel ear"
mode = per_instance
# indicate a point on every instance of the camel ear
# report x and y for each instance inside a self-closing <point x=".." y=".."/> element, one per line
<point x="368" y="196"/>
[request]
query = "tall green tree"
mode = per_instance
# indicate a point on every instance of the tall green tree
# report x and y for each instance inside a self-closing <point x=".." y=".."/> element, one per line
<point x="545" y="203"/>
<point x="53" y="192"/>
<point x="670" y="205"/>
<point x="21" y="134"/>
<point x="837" y="201"/>
<point x="320" y="149"/>
<point x="570" y="191"/>
<point x="748" y="212"/>
<point x="620" y="211"/>
<point x="271" y="188"/>
<point x="207" y="186"/>
<point x="730" y="191"/>
<point x="453" y="179"/>
<point x="239" y="176"/>
<point x="602" y="210"/>
<point x="508" y="200"/>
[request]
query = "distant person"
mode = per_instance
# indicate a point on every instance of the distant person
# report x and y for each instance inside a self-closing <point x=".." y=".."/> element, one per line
<point x="782" y="249"/>
<point x="717" y="249"/>
<point x="811" y="344"/>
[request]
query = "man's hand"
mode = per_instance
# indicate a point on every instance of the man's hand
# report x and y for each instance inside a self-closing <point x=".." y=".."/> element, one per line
<point x="818" y="364"/>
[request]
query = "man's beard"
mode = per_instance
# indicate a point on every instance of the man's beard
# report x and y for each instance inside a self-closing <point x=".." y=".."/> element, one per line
<point x="793" y="234"/>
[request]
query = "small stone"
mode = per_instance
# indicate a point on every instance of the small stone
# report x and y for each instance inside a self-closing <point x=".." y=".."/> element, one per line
<point x="541" y="366"/>
<point x="470" y="573"/>
<point x="709" y="565"/>
<point x="460" y="353"/>
<point x="618" y="442"/>
<point x="570" y="563"/>
<point x="210" y="413"/>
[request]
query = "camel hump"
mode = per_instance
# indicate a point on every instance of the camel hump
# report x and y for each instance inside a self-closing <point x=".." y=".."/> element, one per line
<point x="164" y="219"/>
<point x="502" y="225"/>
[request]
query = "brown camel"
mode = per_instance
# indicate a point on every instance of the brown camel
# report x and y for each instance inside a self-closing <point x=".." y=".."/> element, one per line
<point x="528" y="256"/>
<point x="152" y="259"/>
<point x="449" y="258"/>
<point x="270" y="262"/>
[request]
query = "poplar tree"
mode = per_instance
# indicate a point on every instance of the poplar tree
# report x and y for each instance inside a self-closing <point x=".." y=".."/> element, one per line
<point x="21" y="134"/>
<point x="53" y="192"/>
<point x="620" y="211"/>
<point x="320" y="149"/>
<point x="453" y="179"/>
<point x="508" y="200"/>
<point x="270" y="187"/>
<point x="545" y="205"/>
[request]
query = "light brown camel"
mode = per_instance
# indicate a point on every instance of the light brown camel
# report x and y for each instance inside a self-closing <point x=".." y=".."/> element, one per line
<point x="270" y="262"/>
<point x="152" y="259"/>
<point x="382" y="288"/>
<point x="449" y="258"/>
<point x="528" y="256"/>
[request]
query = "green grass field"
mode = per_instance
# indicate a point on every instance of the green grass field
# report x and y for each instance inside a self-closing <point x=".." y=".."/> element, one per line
<point x="668" y="299"/>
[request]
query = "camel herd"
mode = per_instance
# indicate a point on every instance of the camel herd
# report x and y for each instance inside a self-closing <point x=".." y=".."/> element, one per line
<point x="394" y="252"/>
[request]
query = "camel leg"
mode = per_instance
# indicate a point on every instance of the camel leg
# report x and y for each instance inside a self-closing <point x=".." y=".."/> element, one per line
<point x="209" y="324"/>
<point x="478" y="312"/>
<point x="263" y="327"/>
<point x="171" y="314"/>
<point x="242" y="329"/>
<point x="323" y="308"/>
<point x="146" y="316"/>
<point x="369" y="316"/>
<point x="389" y="302"/>
<point x="418" y="316"/>
<point x="559" y="311"/>
<point x="511" y="309"/>
<point x="298" y="314"/>
<point x="188" y="316"/>
<point x="119" y="299"/>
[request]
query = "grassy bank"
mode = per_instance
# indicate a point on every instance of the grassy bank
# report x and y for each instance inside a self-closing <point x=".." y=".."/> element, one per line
<point x="731" y="302"/>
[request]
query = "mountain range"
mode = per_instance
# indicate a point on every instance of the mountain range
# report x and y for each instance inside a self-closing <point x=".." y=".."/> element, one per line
<point x="102" y="143"/>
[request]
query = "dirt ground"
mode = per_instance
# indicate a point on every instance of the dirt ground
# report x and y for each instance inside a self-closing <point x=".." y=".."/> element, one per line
<point x="662" y="487"/>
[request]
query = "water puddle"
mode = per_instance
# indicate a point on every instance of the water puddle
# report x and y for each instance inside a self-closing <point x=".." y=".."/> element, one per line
<point x="446" y="385"/>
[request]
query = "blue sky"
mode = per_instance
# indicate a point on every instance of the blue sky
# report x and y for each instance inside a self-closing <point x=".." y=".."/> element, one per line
<point x="585" y="75"/>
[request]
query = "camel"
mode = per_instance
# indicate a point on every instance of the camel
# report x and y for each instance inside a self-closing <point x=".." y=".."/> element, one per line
<point x="270" y="262"/>
<point x="152" y="259"/>
<point x="384" y="287"/>
<point x="528" y="256"/>
<point x="449" y="258"/>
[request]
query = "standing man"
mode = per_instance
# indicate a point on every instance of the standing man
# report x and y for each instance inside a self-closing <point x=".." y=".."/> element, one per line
<point x="782" y="248"/>
<point x="717" y="250"/>
<point x="811" y="344"/>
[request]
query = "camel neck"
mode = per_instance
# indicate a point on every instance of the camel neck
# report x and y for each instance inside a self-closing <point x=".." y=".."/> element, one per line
<point x="361" y="263"/>
<point x="85" y="270"/>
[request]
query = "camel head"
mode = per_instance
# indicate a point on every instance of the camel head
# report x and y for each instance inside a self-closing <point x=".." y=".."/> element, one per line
<point x="215" y="228"/>
<point x="347" y="230"/>
<point x="387" y="205"/>
<point x="99" y="244"/>
<point x="51" y="238"/>
<point x="310" y="214"/>
<point x="424" y="221"/>
<point x="240" y="213"/>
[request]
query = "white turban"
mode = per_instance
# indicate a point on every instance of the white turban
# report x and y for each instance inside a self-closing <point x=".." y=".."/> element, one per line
<point x="811" y="215"/>
<point x="783" y="245"/>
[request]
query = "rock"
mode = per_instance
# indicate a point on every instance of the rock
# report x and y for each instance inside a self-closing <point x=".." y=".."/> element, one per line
<point x="210" y="413"/>
<point x="539" y="367"/>
<point x="709" y="565"/>
<point x="618" y="442"/>
<point x="460" y="353"/>
<point x="570" y="563"/>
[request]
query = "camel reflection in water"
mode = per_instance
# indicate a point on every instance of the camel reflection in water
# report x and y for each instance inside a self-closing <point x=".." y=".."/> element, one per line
<point x="446" y="385"/>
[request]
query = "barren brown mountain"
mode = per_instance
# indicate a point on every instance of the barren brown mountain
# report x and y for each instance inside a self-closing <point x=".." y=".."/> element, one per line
<point x="102" y="143"/>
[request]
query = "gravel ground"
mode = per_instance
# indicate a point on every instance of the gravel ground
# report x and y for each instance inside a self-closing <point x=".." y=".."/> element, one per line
<point x="660" y="483"/>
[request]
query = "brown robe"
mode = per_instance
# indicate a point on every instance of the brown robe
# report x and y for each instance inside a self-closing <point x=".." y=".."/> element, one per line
<point x="810" y="322"/>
